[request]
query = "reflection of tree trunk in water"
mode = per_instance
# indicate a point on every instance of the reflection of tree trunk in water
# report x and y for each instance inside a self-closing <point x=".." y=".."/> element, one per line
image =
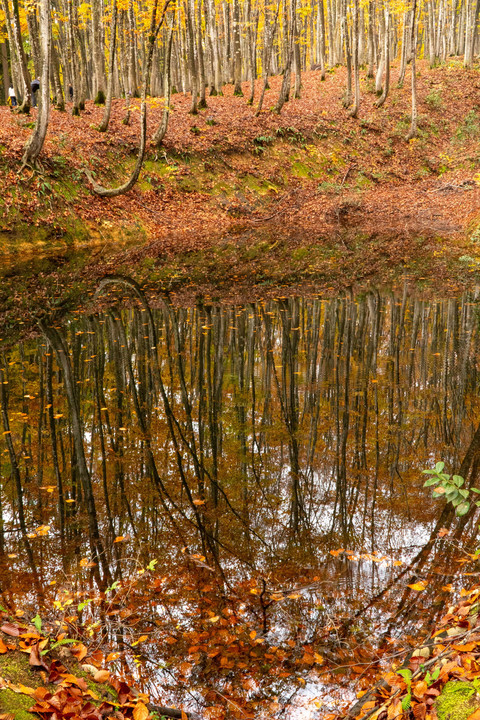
<point x="214" y="392"/>
<point x="116" y="438"/>
<point x="342" y="413"/>
<point x="163" y="493"/>
<point x="98" y="365"/>
<point x="238" y="358"/>
<point x="18" y="482"/>
<point x="177" y="434"/>
<point x="98" y="550"/>
<point x="56" y="467"/>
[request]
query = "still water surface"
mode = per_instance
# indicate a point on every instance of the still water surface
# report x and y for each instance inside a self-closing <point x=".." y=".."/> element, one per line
<point x="250" y="476"/>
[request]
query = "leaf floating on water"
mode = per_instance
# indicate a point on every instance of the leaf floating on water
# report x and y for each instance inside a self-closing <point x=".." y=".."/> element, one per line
<point x="418" y="586"/>
<point x="43" y="530"/>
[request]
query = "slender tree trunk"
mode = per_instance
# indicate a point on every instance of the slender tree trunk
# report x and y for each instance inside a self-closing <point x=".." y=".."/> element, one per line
<point x="35" y="143"/>
<point x="24" y="79"/>
<point x="356" y="63"/>
<point x="405" y="40"/>
<point x="55" y="75"/>
<point x="5" y="70"/>
<point x="386" y="53"/>
<point x="111" y="69"/>
<point x="192" y="57"/>
<point x="202" y="101"/>
<point x="237" y="54"/>
<point x="167" y="83"/>
<point x="98" y="54"/>
<point x="413" y="47"/>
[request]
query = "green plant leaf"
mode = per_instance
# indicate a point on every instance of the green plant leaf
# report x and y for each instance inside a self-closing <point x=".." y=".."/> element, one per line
<point x="463" y="508"/>
<point x="439" y="467"/>
<point x="65" y="641"/>
<point x="37" y="621"/>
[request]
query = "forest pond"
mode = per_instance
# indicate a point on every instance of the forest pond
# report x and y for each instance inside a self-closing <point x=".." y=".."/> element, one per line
<point x="230" y="498"/>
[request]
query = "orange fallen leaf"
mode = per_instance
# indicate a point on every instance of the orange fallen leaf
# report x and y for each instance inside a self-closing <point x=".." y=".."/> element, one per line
<point x="140" y="711"/>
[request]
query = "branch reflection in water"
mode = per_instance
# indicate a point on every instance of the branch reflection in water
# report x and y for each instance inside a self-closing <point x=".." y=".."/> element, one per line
<point x="250" y="476"/>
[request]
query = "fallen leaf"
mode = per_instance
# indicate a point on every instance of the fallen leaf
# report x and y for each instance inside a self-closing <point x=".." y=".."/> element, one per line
<point x="101" y="676"/>
<point x="140" y="711"/>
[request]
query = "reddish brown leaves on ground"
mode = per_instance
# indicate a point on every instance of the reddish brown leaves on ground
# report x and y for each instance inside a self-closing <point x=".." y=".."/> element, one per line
<point x="64" y="695"/>
<point x="410" y="690"/>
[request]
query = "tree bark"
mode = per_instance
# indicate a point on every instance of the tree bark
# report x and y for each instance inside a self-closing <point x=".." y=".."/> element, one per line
<point x="35" y="143"/>
<point x="111" y="69"/>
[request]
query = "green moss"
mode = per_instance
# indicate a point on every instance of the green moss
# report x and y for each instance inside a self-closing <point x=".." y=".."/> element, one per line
<point x="299" y="169"/>
<point x="14" y="666"/>
<point x="457" y="701"/>
<point x="18" y="704"/>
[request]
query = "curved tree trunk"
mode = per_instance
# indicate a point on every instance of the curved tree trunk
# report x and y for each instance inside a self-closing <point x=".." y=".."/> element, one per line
<point x="35" y="143"/>
<point x="152" y="36"/>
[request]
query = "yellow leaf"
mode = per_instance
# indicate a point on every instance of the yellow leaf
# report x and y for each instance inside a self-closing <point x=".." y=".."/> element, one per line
<point x="140" y="712"/>
<point x="418" y="586"/>
<point x="22" y="689"/>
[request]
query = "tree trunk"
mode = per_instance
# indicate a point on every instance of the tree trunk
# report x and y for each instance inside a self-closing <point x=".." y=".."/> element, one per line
<point x="152" y="37"/>
<point x="386" y="53"/>
<point x="237" y="54"/>
<point x="98" y="54"/>
<point x="35" y="143"/>
<point x="24" y="79"/>
<point x="167" y="84"/>
<point x="111" y="69"/>
<point x="413" y="47"/>
<point x="356" y="64"/>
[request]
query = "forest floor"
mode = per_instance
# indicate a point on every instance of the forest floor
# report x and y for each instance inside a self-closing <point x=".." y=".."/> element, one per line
<point x="236" y="206"/>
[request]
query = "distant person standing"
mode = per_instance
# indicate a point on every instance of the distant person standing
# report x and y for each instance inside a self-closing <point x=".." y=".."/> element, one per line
<point x="35" y="87"/>
<point x="70" y="92"/>
<point x="12" y="97"/>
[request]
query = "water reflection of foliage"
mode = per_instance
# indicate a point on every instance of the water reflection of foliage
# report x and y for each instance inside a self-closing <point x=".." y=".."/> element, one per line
<point x="259" y="438"/>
